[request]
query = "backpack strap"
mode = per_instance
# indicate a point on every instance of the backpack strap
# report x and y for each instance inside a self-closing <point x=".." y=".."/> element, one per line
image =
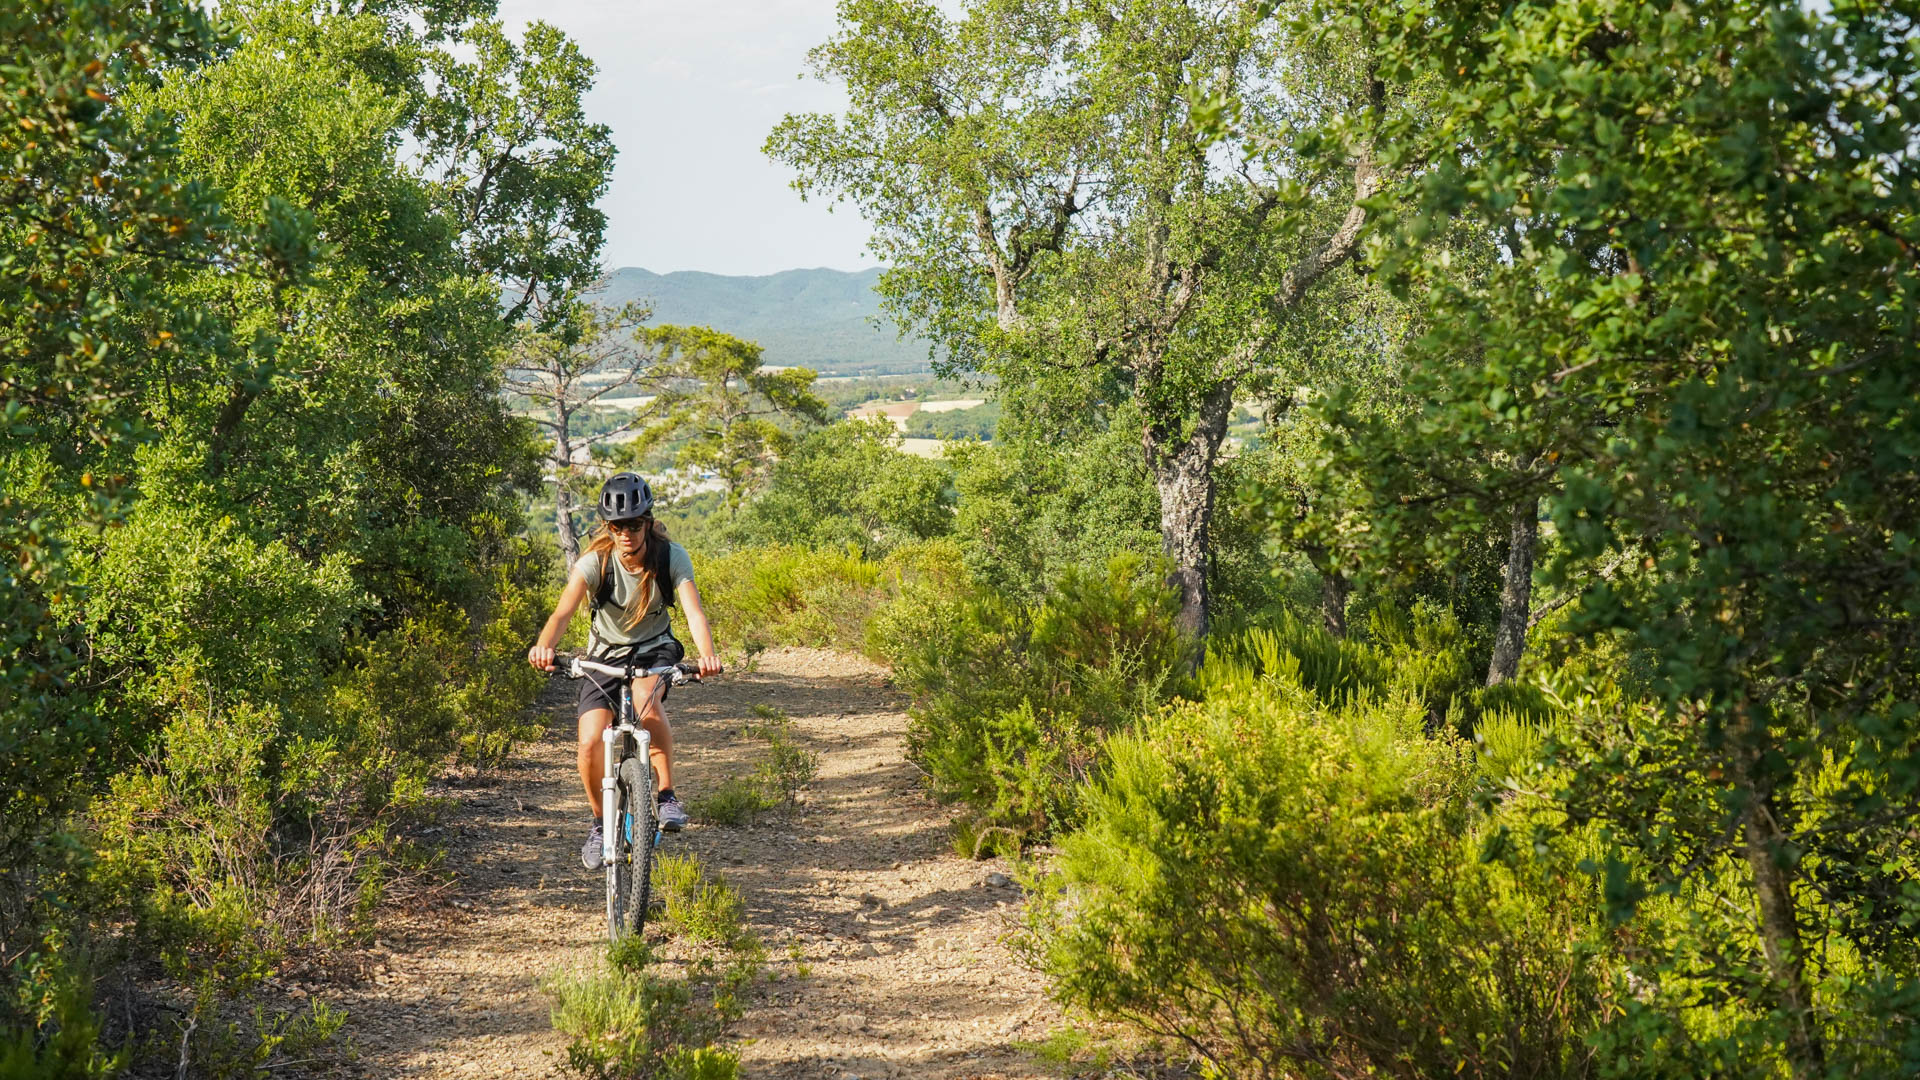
<point x="604" y="594"/>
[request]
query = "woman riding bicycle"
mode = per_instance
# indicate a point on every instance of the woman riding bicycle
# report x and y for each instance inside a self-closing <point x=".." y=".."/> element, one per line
<point x="631" y="573"/>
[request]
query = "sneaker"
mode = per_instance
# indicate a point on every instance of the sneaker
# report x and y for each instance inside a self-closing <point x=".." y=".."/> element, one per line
<point x="593" y="853"/>
<point x="672" y="817"/>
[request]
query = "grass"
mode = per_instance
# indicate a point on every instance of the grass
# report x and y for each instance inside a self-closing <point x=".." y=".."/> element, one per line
<point x="777" y="778"/>
<point x="628" y="1021"/>
<point x="977" y="840"/>
<point x="737" y="801"/>
<point x="1075" y="1051"/>
<point x="698" y="908"/>
<point x="798" y="955"/>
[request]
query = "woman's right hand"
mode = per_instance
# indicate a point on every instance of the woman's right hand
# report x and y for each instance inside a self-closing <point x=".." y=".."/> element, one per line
<point x="541" y="656"/>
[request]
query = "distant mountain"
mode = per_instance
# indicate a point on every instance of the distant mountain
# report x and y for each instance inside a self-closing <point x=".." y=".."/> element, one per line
<point x="822" y="319"/>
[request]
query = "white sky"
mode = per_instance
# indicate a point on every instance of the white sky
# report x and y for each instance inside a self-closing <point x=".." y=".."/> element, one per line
<point x="690" y="89"/>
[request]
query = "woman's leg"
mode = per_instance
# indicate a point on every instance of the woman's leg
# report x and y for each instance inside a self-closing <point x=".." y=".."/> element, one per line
<point x="654" y="720"/>
<point x="592" y="757"/>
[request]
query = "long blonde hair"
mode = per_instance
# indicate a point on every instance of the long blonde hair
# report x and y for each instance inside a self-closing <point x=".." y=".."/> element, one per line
<point x="656" y="561"/>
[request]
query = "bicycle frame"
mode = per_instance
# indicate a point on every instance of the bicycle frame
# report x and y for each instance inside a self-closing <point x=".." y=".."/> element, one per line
<point x="627" y="723"/>
<point x="628" y="858"/>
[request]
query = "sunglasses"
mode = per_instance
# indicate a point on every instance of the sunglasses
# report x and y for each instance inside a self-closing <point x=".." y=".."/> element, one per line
<point x="631" y="525"/>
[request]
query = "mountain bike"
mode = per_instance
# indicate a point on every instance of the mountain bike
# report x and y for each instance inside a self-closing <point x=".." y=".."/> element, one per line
<point x="629" y="825"/>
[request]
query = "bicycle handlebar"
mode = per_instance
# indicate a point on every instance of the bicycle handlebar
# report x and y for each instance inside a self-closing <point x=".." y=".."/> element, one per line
<point x="575" y="666"/>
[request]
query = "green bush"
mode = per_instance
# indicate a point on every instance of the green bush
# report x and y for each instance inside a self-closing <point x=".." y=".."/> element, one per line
<point x="698" y="907"/>
<point x="776" y="779"/>
<point x="627" y="1022"/>
<point x="55" y="1031"/>
<point x="1037" y="504"/>
<point x="736" y="800"/>
<point x="1012" y="703"/>
<point x="1292" y="888"/>
<point x="848" y="486"/>
<point x="787" y="766"/>
<point x="183" y="602"/>
<point x="1421" y="653"/>
<point x="761" y="597"/>
<point x="259" y="826"/>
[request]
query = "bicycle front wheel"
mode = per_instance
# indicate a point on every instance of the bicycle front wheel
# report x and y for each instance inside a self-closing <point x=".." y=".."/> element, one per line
<point x="630" y="874"/>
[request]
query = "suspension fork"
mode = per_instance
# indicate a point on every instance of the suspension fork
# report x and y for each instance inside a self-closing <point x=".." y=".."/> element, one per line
<point x="609" y="810"/>
<point x="609" y="740"/>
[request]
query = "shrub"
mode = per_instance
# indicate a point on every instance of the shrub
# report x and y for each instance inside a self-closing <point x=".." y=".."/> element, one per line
<point x="49" y="1030"/>
<point x="787" y="766"/>
<point x="776" y="779"/>
<point x="1013" y="703"/>
<point x="177" y="598"/>
<point x="627" y="1022"/>
<point x="1421" y="653"/>
<point x="789" y="595"/>
<point x="737" y="800"/>
<point x="847" y="486"/>
<point x="254" y="827"/>
<point x="1034" y="506"/>
<point x="698" y="907"/>
<point x="1291" y="888"/>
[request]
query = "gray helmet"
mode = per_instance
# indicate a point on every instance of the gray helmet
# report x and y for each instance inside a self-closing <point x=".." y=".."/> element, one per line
<point x="625" y="495"/>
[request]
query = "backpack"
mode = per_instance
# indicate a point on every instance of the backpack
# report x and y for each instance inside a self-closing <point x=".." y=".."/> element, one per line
<point x="603" y="595"/>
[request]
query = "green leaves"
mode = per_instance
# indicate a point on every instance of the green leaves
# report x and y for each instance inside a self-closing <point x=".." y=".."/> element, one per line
<point x="734" y="419"/>
<point x="517" y="162"/>
<point x="251" y="408"/>
<point x="1696" y="341"/>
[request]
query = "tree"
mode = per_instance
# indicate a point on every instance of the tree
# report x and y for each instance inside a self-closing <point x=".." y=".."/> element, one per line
<point x="95" y="214"/>
<point x="725" y="408"/>
<point x="847" y="485"/>
<point x="1699" y="349"/>
<point x="591" y="354"/>
<point x="253" y="414"/>
<point x="518" y="161"/>
<point x="1054" y="191"/>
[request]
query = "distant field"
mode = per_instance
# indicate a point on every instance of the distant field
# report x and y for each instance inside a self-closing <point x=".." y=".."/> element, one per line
<point x="899" y="411"/>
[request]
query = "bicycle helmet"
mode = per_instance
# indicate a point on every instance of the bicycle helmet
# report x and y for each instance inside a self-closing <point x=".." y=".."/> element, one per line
<point x="625" y="495"/>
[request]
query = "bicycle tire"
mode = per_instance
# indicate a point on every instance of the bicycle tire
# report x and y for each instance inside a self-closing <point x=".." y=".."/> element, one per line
<point x="630" y="876"/>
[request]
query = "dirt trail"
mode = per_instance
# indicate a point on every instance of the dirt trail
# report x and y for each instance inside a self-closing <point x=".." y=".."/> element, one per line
<point x="908" y="976"/>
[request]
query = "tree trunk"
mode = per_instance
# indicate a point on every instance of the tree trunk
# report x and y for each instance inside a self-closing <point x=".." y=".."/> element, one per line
<point x="1779" y="916"/>
<point x="1334" y="590"/>
<point x="1183" y="474"/>
<point x="1516" y="593"/>
<point x="563" y="525"/>
<point x="563" y="495"/>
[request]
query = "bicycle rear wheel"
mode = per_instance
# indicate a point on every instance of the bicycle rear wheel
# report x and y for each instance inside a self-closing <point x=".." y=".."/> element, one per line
<point x="630" y="875"/>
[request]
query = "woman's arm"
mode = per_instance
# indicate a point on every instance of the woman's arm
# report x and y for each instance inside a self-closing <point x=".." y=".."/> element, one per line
<point x="541" y="655"/>
<point x="689" y="594"/>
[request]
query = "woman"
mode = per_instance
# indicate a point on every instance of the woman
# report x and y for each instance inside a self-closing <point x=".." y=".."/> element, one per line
<point x="631" y="573"/>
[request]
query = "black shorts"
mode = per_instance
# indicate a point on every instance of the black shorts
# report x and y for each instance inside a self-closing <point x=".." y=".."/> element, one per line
<point x="602" y="691"/>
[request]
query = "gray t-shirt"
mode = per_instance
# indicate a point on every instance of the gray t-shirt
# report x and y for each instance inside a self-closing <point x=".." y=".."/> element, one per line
<point x="613" y="625"/>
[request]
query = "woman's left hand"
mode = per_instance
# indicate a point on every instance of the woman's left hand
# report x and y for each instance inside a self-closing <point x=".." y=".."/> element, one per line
<point x="711" y="666"/>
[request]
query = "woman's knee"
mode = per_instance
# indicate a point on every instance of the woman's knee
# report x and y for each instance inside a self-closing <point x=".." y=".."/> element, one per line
<point x="591" y="726"/>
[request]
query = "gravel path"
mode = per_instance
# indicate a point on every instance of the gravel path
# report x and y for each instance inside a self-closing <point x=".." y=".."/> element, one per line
<point x="906" y="971"/>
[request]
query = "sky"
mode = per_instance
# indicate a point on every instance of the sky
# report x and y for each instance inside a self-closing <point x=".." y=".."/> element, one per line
<point x="691" y="88"/>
